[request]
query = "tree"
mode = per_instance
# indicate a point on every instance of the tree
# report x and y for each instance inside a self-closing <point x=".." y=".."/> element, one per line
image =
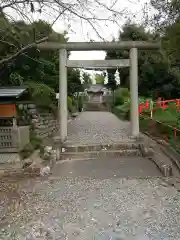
<point x="99" y="78"/>
<point x="156" y="74"/>
<point x="74" y="83"/>
<point x="34" y="66"/>
<point x="167" y="13"/>
<point x="69" y="12"/>
<point x="87" y="80"/>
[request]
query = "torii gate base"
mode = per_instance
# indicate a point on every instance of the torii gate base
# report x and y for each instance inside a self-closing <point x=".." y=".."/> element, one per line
<point x="79" y="46"/>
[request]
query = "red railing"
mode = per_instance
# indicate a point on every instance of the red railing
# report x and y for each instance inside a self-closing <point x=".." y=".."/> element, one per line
<point x="158" y="104"/>
<point x="151" y="107"/>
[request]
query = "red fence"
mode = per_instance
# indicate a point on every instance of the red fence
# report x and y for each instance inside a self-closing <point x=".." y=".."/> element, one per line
<point x="158" y="104"/>
<point x="150" y="107"/>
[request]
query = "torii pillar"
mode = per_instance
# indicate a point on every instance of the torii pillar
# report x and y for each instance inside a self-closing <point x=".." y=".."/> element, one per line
<point x="134" y="113"/>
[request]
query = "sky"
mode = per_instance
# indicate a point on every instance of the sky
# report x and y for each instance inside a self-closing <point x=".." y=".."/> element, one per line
<point x="80" y="30"/>
<point x="83" y="32"/>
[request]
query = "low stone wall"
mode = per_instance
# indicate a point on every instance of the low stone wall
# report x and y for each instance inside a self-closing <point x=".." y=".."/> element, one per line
<point x="44" y="125"/>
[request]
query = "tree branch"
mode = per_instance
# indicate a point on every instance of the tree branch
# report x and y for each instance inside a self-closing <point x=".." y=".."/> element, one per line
<point x="11" y="4"/>
<point x="22" y="50"/>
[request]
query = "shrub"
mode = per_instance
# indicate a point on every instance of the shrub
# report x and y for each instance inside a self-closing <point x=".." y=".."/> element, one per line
<point x="118" y="100"/>
<point x="42" y="95"/>
<point x="120" y="96"/>
<point x="80" y="103"/>
<point x="36" y="141"/>
<point x="27" y="151"/>
<point x="124" y="92"/>
<point x="70" y="104"/>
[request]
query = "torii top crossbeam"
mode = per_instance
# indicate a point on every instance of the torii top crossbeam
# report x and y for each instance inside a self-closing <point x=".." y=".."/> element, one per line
<point x="90" y="46"/>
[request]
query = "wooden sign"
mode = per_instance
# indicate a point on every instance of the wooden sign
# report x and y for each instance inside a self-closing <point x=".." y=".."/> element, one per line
<point x="8" y="110"/>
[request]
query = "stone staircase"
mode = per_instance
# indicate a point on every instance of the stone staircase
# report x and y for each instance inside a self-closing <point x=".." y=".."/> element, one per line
<point x="129" y="149"/>
<point x="132" y="151"/>
<point x="93" y="106"/>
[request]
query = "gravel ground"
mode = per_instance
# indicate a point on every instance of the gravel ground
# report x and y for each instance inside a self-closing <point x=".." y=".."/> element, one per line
<point x="86" y="208"/>
<point x="103" y="199"/>
<point x="98" y="127"/>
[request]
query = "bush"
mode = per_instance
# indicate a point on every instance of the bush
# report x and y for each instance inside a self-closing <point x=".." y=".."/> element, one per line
<point x="80" y="103"/>
<point x="120" y="96"/>
<point x="124" y="92"/>
<point x="36" y="141"/>
<point x="70" y="104"/>
<point x="42" y="95"/>
<point x="118" y="100"/>
<point x="27" y="151"/>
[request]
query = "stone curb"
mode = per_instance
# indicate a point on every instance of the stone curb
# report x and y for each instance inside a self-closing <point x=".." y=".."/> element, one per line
<point x="172" y="154"/>
<point x="165" y="169"/>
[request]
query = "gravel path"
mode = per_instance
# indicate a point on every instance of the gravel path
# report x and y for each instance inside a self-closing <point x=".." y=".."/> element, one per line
<point x="102" y="199"/>
<point x="96" y="128"/>
<point x="86" y="208"/>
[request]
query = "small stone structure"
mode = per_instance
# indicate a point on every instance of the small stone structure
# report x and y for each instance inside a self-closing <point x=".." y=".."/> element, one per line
<point x="95" y="92"/>
<point x="14" y="131"/>
<point x="18" y="117"/>
<point x="13" y="139"/>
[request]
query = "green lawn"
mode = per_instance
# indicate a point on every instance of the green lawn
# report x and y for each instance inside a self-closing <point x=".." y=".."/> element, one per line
<point x="169" y="116"/>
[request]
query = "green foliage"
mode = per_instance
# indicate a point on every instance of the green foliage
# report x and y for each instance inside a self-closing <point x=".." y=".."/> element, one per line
<point x="99" y="78"/>
<point x="158" y="75"/>
<point x="120" y="96"/>
<point x="40" y="66"/>
<point x="27" y="151"/>
<point x="124" y="92"/>
<point x="123" y="111"/>
<point x="87" y="80"/>
<point x="80" y="103"/>
<point x="74" y="83"/>
<point x="42" y="95"/>
<point x="35" y="141"/>
<point x="118" y="99"/>
<point x="70" y="104"/>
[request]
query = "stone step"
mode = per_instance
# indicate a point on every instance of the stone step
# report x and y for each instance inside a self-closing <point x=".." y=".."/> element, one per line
<point x="92" y="106"/>
<point x="82" y="152"/>
<point x="97" y="154"/>
<point x="100" y="147"/>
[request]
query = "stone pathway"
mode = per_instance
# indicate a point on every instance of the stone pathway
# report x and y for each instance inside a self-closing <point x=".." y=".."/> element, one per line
<point x="97" y="128"/>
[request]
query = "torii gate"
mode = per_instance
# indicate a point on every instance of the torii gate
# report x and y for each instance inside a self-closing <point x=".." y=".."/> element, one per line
<point x="132" y="62"/>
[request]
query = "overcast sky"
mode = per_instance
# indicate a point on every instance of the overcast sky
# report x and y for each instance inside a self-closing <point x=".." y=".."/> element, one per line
<point x="79" y="30"/>
<point x="83" y="32"/>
